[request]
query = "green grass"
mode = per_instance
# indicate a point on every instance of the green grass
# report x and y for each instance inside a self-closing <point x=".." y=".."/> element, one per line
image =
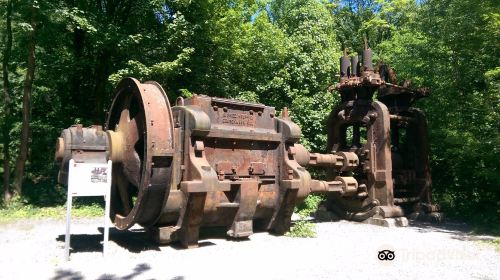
<point x="304" y="228"/>
<point x="495" y="243"/>
<point x="17" y="210"/>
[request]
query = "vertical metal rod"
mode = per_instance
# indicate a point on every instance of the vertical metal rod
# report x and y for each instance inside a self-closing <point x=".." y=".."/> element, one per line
<point x="106" y="226"/>
<point x="367" y="57"/>
<point x="107" y="199"/>
<point x="367" y="60"/>
<point x="344" y="65"/>
<point x="68" y="222"/>
<point x="354" y="66"/>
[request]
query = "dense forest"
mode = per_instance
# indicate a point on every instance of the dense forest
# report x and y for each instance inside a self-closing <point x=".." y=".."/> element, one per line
<point x="62" y="58"/>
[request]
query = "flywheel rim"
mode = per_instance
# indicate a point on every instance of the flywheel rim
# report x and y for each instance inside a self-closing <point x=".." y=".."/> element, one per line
<point x="140" y="128"/>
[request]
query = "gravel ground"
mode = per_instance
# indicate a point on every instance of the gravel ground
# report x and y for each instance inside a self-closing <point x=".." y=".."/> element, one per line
<point x="34" y="249"/>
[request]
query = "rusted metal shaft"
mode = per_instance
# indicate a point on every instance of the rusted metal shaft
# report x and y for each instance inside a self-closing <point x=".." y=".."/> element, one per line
<point x="344" y="186"/>
<point x="343" y="161"/>
<point x="317" y="159"/>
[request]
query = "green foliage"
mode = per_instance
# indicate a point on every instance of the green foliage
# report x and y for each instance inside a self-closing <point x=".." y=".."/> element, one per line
<point x="160" y="70"/>
<point x="280" y="53"/>
<point x="495" y="243"/>
<point x="19" y="208"/>
<point x="303" y="227"/>
<point x="309" y="205"/>
<point x="445" y="52"/>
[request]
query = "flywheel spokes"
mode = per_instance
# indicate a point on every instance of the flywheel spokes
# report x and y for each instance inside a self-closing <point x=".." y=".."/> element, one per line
<point x="133" y="145"/>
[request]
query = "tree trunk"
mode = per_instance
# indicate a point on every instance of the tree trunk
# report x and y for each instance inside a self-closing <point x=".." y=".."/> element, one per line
<point x="28" y="87"/>
<point x="101" y="77"/>
<point x="7" y="39"/>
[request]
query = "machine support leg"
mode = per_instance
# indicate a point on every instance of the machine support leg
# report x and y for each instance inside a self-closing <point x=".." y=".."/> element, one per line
<point x="243" y="221"/>
<point x="190" y="229"/>
<point x="283" y="217"/>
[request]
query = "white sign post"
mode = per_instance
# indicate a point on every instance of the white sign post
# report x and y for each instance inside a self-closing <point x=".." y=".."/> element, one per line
<point x="88" y="179"/>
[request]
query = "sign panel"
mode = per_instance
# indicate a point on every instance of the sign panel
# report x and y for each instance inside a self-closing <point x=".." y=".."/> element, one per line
<point x="88" y="179"/>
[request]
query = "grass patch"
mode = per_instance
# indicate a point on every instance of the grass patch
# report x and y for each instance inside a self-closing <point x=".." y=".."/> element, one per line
<point x="304" y="228"/>
<point x="18" y="210"/>
<point x="495" y="243"/>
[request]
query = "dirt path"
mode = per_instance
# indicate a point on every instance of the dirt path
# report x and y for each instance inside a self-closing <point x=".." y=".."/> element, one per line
<point x="34" y="249"/>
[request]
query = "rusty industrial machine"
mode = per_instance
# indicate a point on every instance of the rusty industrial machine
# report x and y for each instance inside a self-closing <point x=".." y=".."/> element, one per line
<point x="204" y="162"/>
<point x="209" y="161"/>
<point x="389" y="138"/>
<point x="409" y="147"/>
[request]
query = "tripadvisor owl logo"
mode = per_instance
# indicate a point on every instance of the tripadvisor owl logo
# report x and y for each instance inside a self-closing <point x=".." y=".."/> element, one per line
<point x="386" y="255"/>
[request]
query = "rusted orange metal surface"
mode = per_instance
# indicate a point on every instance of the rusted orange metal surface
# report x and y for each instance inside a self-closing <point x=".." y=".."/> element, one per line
<point x="204" y="162"/>
<point x="210" y="161"/>
<point x="389" y="138"/>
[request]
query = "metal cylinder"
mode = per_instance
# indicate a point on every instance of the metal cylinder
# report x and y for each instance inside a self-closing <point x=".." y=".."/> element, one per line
<point x="329" y="160"/>
<point x="116" y="146"/>
<point x="367" y="60"/>
<point x="350" y="160"/>
<point x="349" y="185"/>
<point x="343" y="161"/>
<point x="383" y="71"/>
<point x="344" y="186"/>
<point x="344" y="66"/>
<point x="354" y="66"/>
<point x="83" y="144"/>
<point x="302" y="156"/>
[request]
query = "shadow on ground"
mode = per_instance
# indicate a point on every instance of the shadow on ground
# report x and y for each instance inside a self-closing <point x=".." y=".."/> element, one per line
<point x="139" y="240"/>
<point x="210" y="233"/>
<point x="67" y="274"/>
<point x="457" y="230"/>
<point x="134" y="241"/>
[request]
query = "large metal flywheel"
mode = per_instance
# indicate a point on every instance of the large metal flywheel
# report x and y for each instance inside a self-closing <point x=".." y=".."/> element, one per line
<point x="140" y="130"/>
